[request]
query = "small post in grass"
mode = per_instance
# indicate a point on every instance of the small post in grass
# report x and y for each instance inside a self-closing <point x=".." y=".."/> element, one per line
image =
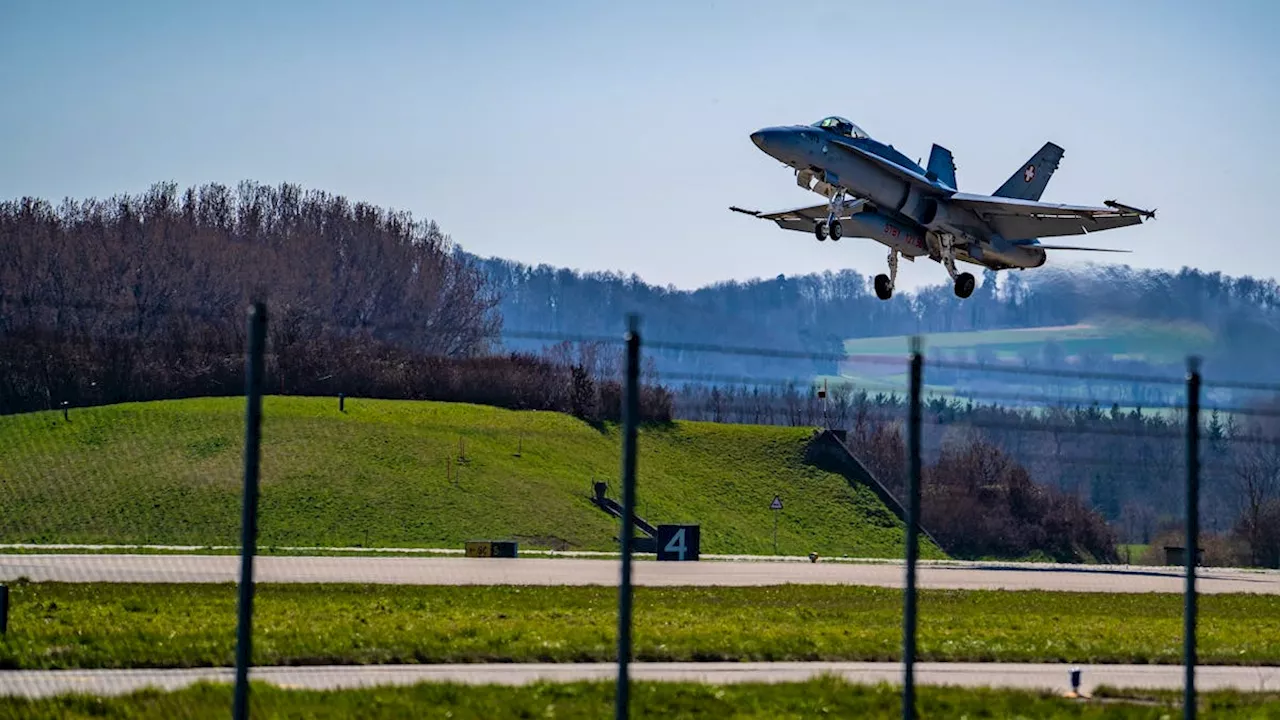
<point x="4" y="609"/>
<point x="775" y="506"/>
<point x="342" y="402"/>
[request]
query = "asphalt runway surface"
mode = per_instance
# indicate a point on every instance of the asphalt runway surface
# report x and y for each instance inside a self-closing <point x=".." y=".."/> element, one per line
<point x="147" y="568"/>
<point x="1052" y="677"/>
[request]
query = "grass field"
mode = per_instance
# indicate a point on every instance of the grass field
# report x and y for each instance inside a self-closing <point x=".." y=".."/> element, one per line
<point x="825" y="697"/>
<point x="880" y="364"/>
<point x="116" y="626"/>
<point x="1116" y="337"/>
<point x="415" y="474"/>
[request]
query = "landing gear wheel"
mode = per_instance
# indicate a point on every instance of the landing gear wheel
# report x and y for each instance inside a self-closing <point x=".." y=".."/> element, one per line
<point x="820" y="231"/>
<point x="964" y="285"/>
<point x="836" y="231"/>
<point x="884" y="288"/>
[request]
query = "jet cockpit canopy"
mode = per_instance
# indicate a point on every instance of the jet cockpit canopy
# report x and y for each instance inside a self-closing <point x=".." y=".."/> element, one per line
<point x="841" y="125"/>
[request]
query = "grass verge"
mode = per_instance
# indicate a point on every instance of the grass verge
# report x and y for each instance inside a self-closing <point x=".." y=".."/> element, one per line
<point x="825" y="697"/>
<point x="56" y="625"/>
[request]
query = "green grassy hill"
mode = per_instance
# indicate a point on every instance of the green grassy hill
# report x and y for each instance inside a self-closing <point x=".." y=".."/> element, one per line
<point x="414" y="474"/>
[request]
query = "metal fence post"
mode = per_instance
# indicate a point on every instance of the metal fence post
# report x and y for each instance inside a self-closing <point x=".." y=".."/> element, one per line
<point x="912" y="541"/>
<point x="630" y="419"/>
<point x="4" y="609"/>
<point x="249" y="510"/>
<point x="1193" y="536"/>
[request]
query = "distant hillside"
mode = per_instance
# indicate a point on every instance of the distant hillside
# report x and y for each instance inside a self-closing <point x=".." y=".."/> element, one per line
<point x="1114" y="317"/>
<point x="1113" y="338"/>
<point x="415" y="474"/>
<point x="1106" y="343"/>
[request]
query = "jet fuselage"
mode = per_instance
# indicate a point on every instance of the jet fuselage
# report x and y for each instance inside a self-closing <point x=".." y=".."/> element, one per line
<point x="906" y="216"/>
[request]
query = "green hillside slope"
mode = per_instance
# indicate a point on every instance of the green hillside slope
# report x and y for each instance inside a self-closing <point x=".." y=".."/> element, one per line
<point x="414" y="474"/>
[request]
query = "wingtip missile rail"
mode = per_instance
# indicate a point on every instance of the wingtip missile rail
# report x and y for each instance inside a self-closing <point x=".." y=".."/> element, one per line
<point x="1150" y="214"/>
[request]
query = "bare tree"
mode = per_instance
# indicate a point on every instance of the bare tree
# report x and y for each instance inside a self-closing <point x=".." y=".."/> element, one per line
<point x="1255" y="469"/>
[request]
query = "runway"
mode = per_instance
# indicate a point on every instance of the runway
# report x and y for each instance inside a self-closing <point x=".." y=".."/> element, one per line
<point x="1052" y="677"/>
<point x="146" y="568"/>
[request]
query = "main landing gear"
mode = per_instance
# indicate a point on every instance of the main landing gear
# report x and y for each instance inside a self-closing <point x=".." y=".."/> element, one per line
<point x="823" y="228"/>
<point x="831" y="226"/>
<point x="884" y="283"/>
<point x="964" y="282"/>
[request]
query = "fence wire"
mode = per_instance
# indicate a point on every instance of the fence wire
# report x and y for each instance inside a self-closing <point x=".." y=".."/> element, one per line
<point x="386" y="457"/>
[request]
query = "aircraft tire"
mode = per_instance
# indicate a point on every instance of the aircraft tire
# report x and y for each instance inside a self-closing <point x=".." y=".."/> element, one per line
<point x="820" y="231"/>
<point x="836" y="230"/>
<point x="964" y="285"/>
<point x="884" y="290"/>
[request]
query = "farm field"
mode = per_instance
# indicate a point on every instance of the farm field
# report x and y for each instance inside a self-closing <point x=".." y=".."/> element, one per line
<point x="879" y="364"/>
<point x="1114" y="337"/>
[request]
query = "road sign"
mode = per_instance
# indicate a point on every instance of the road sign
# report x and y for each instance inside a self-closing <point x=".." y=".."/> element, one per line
<point x="776" y="504"/>
<point x="678" y="542"/>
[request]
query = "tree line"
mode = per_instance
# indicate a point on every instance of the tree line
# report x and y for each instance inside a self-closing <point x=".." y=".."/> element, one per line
<point x="143" y="297"/>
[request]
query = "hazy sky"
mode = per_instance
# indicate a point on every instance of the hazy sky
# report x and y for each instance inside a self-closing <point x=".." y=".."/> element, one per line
<point x="613" y="136"/>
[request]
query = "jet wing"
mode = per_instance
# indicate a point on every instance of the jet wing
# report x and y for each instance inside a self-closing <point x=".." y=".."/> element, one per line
<point x="1017" y="219"/>
<point x="802" y="218"/>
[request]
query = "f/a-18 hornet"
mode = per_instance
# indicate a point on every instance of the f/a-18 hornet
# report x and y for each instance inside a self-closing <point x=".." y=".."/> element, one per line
<point x="874" y="191"/>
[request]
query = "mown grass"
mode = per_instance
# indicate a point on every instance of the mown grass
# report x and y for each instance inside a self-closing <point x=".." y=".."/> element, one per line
<point x="415" y="474"/>
<point x="56" y="625"/>
<point x="822" y="697"/>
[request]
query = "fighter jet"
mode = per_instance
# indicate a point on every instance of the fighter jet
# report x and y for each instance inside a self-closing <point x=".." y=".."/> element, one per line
<point x="874" y="191"/>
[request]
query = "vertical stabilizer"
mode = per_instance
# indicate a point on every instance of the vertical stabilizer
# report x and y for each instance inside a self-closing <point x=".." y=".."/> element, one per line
<point x="942" y="166"/>
<point x="1029" y="181"/>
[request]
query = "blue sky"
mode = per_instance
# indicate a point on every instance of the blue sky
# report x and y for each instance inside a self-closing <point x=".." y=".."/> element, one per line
<point x="613" y="136"/>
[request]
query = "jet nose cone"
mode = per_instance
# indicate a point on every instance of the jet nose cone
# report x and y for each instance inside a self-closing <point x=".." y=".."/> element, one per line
<point x="772" y="139"/>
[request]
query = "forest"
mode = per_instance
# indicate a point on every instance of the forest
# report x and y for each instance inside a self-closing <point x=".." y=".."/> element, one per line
<point x="143" y="297"/>
<point x="140" y="297"/>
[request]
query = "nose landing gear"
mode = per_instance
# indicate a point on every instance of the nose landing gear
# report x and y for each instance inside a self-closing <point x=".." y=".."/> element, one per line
<point x="823" y="230"/>
<point x="836" y="209"/>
